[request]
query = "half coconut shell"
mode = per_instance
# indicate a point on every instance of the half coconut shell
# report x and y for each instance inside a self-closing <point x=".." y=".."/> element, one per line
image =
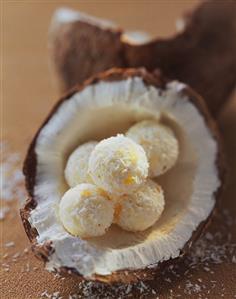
<point x="202" y="55"/>
<point x="38" y="179"/>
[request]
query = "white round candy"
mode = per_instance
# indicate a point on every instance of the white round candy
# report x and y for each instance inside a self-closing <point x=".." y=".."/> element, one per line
<point x="159" y="143"/>
<point x="140" y="210"/>
<point x="86" y="211"/>
<point x="76" y="171"/>
<point x="118" y="165"/>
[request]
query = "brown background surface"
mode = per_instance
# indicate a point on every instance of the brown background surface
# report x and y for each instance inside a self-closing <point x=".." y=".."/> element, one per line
<point x="28" y="91"/>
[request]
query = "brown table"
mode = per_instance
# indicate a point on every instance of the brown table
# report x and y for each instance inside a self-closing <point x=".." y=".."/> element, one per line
<point x="28" y="91"/>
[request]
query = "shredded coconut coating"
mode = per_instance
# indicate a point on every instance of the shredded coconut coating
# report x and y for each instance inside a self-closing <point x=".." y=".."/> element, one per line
<point x="118" y="165"/>
<point x="140" y="210"/>
<point x="76" y="171"/>
<point x="86" y="211"/>
<point x="160" y="144"/>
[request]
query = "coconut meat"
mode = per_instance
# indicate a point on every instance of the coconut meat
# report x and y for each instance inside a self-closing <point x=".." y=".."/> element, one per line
<point x="136" y="37"/>
<point x="64" y="15"/>
<point x="67" y="15"/>
<point x="102" y="110"/>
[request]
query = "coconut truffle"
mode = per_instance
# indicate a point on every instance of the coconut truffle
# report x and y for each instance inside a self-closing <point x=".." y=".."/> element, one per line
<point x="159" y="143"/>
<point x="76" y="171"/>
<point x="86" y="211"/>
<point x="118" y="165"/>
<point x="140" y="210"/>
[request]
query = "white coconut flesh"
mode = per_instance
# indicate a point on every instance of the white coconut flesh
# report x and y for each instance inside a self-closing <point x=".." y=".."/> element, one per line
<point x="102" y="110"/>
<point x="65" y="15"/>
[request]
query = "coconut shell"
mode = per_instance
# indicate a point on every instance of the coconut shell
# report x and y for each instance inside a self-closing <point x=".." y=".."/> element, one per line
<point x="44" y="251"/>
<point x="81" y="49"/>
<point x="203" y="55"/>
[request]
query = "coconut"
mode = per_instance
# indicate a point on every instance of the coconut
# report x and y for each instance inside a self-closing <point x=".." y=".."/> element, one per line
<point x="82" y="46"/>
<point x="100" y="41"/>
<point x="107" y="105"/>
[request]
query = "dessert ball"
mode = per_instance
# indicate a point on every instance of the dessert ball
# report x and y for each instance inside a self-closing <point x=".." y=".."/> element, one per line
<point x="160" y="144"/>
<point x="141" y="209"/>
<point x="76" y="171"/>
<point x="86" y="211"/>
<point x="118" y="165"/>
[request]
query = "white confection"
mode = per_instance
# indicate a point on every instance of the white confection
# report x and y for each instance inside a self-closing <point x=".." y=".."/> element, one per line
<point x="159" y="143"/>
<point x="76" y="171"/>
<point x="118" y="165"/>
<point x="140" y="210"/>
<point x="86" y="211"/>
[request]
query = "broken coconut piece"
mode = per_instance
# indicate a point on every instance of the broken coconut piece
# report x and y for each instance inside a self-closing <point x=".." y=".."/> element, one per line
<point x="141" y="209"/>
<point x="76" y="171"/>
<point x="118" y="165"/>
<point x="102" y="107"/>
<point x="77" y="37"/>
<point x="86" y="211"/>
<point x="159" y="143"/>
<point x="202" y="54"/>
